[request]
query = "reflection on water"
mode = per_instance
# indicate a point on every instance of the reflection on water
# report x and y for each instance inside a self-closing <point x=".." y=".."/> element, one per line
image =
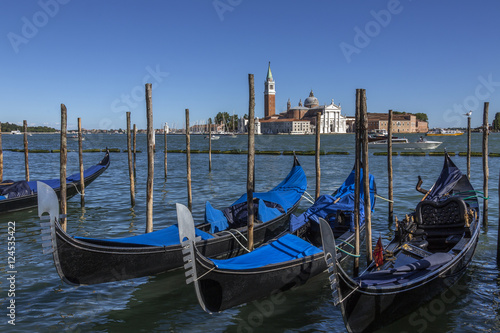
<point x="164" y="302"/>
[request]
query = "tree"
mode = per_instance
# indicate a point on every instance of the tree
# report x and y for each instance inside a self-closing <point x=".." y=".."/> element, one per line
<point x="421" y="116"/>
<point x="496" y="122"/>
<point x="230" y="122"/>
<point x="7" y="127"/>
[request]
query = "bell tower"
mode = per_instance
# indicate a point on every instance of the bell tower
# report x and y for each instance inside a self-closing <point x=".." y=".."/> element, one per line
<point x="269" y="94"/>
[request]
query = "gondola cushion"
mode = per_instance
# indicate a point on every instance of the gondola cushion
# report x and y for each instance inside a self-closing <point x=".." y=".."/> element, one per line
<point x="406" y="273"/>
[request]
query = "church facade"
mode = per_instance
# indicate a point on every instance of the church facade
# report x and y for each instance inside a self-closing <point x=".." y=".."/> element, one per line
<point x="300" y="119"/>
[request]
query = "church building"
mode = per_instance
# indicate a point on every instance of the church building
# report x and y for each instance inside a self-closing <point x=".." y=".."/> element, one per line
<point x="300" y="119"/>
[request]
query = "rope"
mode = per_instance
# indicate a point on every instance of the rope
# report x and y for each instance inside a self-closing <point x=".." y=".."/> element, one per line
<point x="76" y="187"/>
<point x="469" y="191"/>
<point x="380" y="197"/>
<point x="476" y="196"/>
<point x="303" y="196"/>
<point x="343" y="241"/>
<point x="349" y="254"/>
<point x="310" y="196"/>
<point x="199" y="277"/>
<point x="243" y="246"/>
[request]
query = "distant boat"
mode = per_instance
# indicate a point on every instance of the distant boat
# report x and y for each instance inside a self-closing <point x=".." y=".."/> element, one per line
<point x="74" y="137"/>
<point x="213" y="137"/>
<point x="403" y="143"/>
<point x="16" y="132"/>
<point x="444" y="132"/>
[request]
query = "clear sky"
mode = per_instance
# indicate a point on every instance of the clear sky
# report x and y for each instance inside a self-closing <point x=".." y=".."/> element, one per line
<point x="437" y="57"/>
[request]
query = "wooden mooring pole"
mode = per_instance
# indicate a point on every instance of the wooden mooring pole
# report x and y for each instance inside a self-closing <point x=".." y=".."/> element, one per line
<point x="131" y="174"/>
<point x="389" y="168"/>
<point x="188" y="163"/>
<point x="318" y="167"/>
<point x="209" y="144"/>
<point x="1" y="154"/>
<point x="486" y="171"/>
<point x="26" y="164"/>
<point x="498" y="231"/>
<point x="357" y="165"/>
<point x="165" y="130"/>
<point x="366" y="178"/>
<point x="80" y="160"/>
<point x="135" y="146"/>
<point x="63" y="162"/>
<point x="151" y="159"/>
<point x="468" y="146"/>
<point x="251" y="160"/>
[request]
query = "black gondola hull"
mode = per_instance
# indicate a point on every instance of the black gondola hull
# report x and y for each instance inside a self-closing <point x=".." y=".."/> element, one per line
<point x="222" y="289"/>
<point x="81" y="262"/>
<point x="367" y="310"/>
<point x="31" y="201"/>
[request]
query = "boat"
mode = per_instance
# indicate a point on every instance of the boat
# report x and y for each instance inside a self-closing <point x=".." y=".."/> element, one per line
<point x="430" y="251"/>
<point x="444" y="132"/>
<point x="378" y="134"/>
<point x="404" y="143"/>
<point x="18" y="132"/>
<point x="290" y="260"/>
<point x="213" y="137"/>
<point x="83" y="260"/>
<point x="19" y="195"/>
<point x="74" y="137"/>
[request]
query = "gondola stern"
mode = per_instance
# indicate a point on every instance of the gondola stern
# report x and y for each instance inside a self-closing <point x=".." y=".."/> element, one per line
<point x="187" y="238"/>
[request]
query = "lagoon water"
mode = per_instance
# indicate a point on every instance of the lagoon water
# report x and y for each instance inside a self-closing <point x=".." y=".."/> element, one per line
<point x="165" y="303"/>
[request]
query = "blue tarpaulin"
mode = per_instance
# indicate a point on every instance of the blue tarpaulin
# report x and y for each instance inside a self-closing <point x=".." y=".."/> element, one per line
<point x="447" y="180"/>
<point x="164" y="237"/>
<point x="74" y="178"/>
<point x="283" y="197"/>
<point x="286" y="248"/>
<point x="327" y="208"/>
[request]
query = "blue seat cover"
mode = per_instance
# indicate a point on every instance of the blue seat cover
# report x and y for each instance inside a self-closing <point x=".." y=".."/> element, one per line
<point x="286" y="248"/>
<point x="165" y="237"/>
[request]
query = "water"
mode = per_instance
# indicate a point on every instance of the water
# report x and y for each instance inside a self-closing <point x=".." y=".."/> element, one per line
<point x="164" y="303"/>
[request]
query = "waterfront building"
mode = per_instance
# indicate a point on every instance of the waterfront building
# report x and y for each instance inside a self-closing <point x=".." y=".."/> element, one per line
<point x="300" y="119"/>
<point x="401" y="123"/>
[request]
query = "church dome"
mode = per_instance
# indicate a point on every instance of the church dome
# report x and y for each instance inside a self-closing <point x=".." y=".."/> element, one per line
<point x="311" y="101"/>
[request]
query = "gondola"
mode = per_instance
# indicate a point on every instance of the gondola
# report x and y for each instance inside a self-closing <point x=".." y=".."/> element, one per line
<point x="20" y="195"/>
<point x="81" y="260"/>
<point x="288" y="261"/>
<point x="431" y="250"/>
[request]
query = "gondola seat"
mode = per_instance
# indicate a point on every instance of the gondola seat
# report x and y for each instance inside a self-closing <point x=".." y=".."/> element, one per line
<point x="443" y="223"/>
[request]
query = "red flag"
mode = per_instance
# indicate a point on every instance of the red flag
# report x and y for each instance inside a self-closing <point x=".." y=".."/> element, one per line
<point x="378" y="253"/>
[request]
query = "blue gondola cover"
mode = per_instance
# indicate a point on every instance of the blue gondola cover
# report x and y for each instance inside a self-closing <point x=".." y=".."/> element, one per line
<point x="286" y="248"/>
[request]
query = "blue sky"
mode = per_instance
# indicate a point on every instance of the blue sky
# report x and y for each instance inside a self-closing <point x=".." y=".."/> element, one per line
<point x="437" y="57"/>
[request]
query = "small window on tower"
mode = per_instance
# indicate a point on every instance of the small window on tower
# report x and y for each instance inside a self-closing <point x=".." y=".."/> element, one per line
<point x="271" y="87"/>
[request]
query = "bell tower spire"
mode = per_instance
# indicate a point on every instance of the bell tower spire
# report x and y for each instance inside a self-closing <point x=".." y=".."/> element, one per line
<point x="269" y="94"/>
